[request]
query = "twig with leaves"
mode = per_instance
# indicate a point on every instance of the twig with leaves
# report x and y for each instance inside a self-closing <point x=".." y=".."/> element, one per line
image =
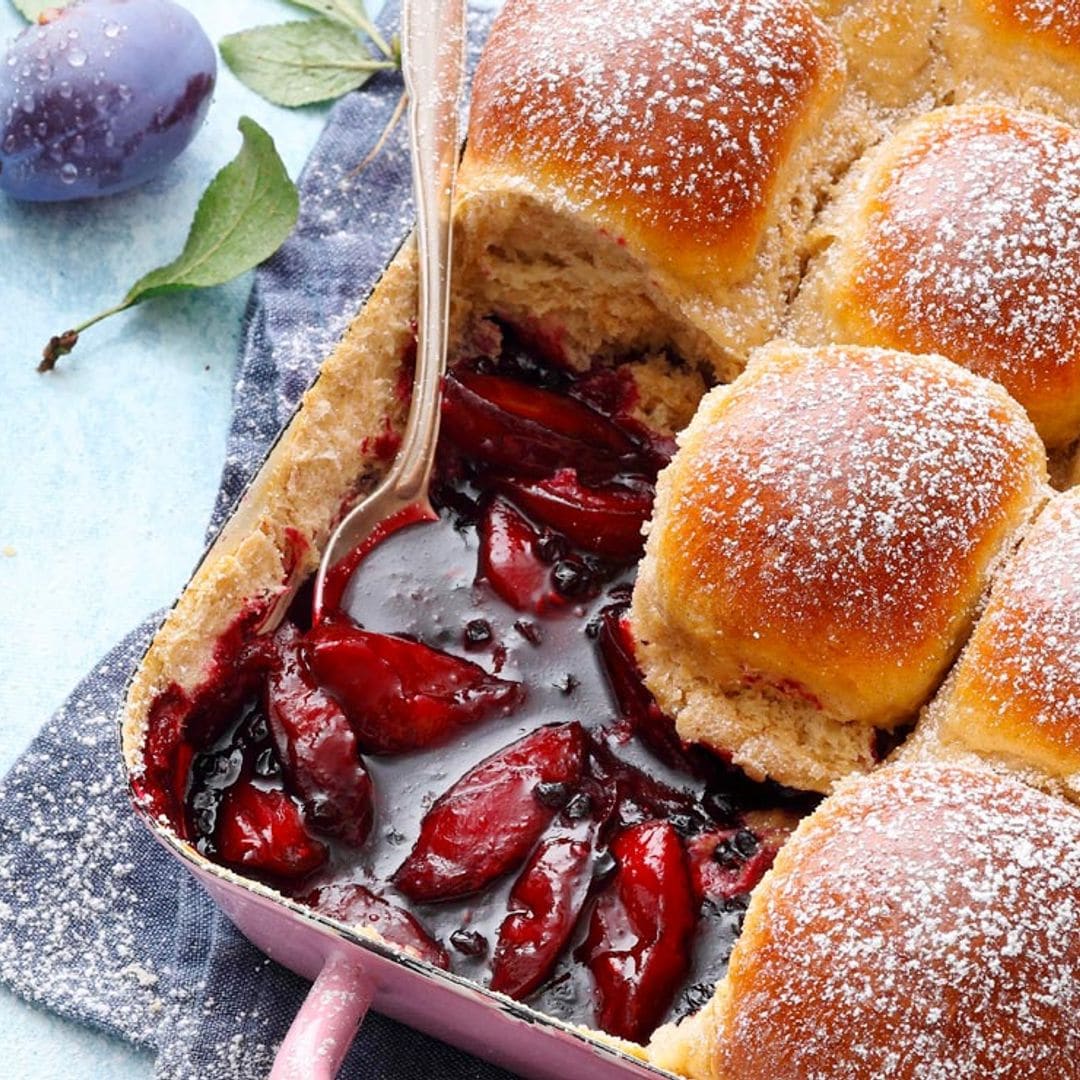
<point x="312" y="60"/>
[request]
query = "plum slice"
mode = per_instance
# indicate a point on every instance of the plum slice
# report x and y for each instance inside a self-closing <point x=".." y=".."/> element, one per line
<point x="544" y="904"/>
<point x="358" y="905"/>
<point x="641" y="930"/>
<point x="509" y="425"/>
<point x="487" y="823"/>
<point x="263" y="830"/>
<point x="399" y="694"/>
<point x="605" y="518"/>
<point x="509" y="562"/>
<point x="636" y="703"/>
<point x="316" y="746"/>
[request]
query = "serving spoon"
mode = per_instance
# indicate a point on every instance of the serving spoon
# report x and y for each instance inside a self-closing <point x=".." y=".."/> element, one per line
<point x="433" y="63"/>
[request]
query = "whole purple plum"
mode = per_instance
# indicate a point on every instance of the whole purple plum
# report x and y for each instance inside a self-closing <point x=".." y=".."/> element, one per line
<point x="101" y="96"/>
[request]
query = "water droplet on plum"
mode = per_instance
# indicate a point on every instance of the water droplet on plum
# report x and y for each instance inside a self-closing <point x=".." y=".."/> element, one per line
<point x="124" y="98"/>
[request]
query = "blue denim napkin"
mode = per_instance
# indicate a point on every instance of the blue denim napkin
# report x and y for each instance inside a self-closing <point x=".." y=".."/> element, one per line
<point x="97" y="922"/>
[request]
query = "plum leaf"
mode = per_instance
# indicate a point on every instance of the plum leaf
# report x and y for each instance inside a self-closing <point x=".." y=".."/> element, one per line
<point x="243" y="217"/>
<point x="300" y="63"/>
<point x="352" y="13"/>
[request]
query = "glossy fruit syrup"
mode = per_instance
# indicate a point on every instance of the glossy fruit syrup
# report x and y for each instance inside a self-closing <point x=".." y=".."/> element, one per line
<point x="462" y="753"/>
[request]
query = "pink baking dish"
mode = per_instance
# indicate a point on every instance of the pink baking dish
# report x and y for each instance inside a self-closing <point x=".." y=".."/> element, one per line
<point x="351" y="971"/>
<point x="351" y="974"/>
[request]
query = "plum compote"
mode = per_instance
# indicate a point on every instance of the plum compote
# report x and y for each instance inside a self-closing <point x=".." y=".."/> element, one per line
<point x="462" y="753"/>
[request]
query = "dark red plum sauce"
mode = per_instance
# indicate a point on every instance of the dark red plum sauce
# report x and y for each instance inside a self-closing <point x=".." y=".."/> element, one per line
<point x="462" y="752"/>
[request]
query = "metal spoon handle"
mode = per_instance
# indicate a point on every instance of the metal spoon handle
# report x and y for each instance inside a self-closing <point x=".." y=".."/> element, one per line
<point x="433" y="63"/>
<point x="433" y="60"/>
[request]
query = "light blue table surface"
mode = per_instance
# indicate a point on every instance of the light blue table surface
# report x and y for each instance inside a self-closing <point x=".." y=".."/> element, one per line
<point x="110" y="464"/>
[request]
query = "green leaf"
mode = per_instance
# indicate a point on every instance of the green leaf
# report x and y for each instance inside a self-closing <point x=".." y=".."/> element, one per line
<point x="243" y="217"/>
<point x="31" y="9"/>
<point x="299" y="63"/>
<point x="351" y="13"/>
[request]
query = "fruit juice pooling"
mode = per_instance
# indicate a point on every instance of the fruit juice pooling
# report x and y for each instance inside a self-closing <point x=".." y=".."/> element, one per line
<point x="553" y="656"/>
<point x="449" y="585"/>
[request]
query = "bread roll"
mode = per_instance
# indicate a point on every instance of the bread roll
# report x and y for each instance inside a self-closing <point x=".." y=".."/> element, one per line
<point x="819" y="548"/>
<point x="1015" y="694"/>
<point x="643" y="175"/>
<point x="1025" y="51"/>
<point x="961" y="236"/>
<point x="923" y="923"/>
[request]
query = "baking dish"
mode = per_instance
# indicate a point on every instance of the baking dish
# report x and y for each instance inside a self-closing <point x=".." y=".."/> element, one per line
<point x="245" y="581"/>
<point x="330" y="454"/>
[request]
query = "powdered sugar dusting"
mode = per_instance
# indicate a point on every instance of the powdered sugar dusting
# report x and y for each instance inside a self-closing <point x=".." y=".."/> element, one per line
<point x="681" y="109"/>
<point x="80" y="926"/>
<point x="925" y="925"/>
<point x="850" y="490"/>
<point x="974" y="251"/>
<point x="1056" y="20"/>
<point x="1028" y="642"/>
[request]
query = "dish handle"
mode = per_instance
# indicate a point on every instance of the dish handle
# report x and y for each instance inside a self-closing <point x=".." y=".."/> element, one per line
<point x="326" y="1024"/>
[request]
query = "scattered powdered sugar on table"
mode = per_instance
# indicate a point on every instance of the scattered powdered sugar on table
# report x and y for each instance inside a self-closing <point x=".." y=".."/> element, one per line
<point x="76" y="871"/>
<point x="925" y="925"/>
<point x="849" y="489"/>
<point x="1027" y="646"/>
<point x="974" y="250"/>
<point x="684" y="106"/>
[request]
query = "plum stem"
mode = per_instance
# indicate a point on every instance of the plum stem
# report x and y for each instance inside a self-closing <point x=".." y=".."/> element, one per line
<point x="373" y="153"/>
<point x="62" y="344"/>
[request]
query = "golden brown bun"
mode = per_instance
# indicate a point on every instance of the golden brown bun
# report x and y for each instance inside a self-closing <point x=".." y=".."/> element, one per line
<point x="637" y="174"/>
<point x="565" y="90"/>
<point x="961" y="236"/>
<point x="1016" y="690"/>
<point x="1026" y="51"/>
<point x="921" y="924"/>
<point x="819" y="548"/>
<point x="1052" y="24"/>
